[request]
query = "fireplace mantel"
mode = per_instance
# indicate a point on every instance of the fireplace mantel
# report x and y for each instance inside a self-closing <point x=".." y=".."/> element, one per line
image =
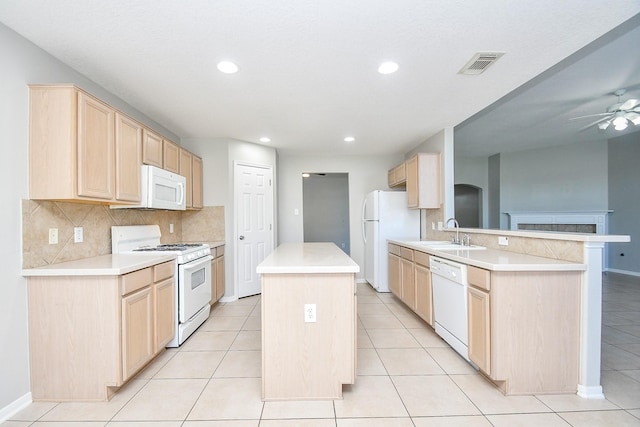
<point x="595" y="218"/>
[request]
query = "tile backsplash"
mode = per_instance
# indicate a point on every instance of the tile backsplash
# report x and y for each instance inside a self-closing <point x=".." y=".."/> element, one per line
<point x="96" y="220"/>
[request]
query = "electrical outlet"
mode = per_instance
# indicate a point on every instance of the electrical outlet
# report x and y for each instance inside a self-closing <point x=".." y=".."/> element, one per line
<point x="433" y="225"/>
<point x="309" y="313"/>
<point x="503" y="241"/>
<point x="53" y="236"/>
<point x="78" y="236"/>
<point x="171" y="228"/>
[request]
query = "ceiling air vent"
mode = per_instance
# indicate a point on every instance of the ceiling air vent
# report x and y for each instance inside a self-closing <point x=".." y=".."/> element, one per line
<point x="480" y="62"/>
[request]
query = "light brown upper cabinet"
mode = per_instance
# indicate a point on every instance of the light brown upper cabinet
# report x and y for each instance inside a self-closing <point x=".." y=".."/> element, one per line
<point x="397" y="176"/>
<point x="75" y="150"/>
<point x="170" y="156"/>
<point x="186" y="171"/>
<point x="423" y="181"/>
<point x="128" y="158"/>
<point x="151" y="148"/>
<point x="191" y="169"/>
<point x="196" y="171"/>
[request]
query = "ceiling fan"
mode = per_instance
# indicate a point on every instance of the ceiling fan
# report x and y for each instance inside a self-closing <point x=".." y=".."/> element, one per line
<point x="619" y="114"/>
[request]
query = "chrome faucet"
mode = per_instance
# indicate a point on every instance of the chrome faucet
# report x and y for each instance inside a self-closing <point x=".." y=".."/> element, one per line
<point x="457" y="227"/>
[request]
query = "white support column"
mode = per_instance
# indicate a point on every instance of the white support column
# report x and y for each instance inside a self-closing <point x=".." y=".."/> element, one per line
<point x="591" y="323"/>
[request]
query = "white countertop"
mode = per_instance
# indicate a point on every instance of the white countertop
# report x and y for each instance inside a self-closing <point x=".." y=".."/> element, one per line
<point x="496" y="260"/>
<point x="308" y="258"/>
<point x="104" y="265"/>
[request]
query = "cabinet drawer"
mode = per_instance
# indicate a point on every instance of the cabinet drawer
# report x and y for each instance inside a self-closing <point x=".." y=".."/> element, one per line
<point x="135" y="280"/>
<point x="406" y="253"/>
<point x="394" y="249"/>
<point x="219" y="251"/>
<point x="421" y="258"/>
<point x="163" y="271"/>
<point x="479" y="277"/>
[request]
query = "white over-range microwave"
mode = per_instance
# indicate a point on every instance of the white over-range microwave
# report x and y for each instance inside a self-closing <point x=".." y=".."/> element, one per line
<point x="160" y="189"/>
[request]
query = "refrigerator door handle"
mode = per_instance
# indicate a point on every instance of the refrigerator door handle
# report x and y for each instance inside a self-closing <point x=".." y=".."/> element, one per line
<point x="364" y="206"/>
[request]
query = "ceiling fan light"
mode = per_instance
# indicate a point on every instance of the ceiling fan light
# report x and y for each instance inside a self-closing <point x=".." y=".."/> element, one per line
<point x="604" y="125"/>
<point x="620" y="123"/>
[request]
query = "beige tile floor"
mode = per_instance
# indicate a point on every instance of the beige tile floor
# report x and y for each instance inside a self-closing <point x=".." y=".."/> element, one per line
<point x="407" y="376"/>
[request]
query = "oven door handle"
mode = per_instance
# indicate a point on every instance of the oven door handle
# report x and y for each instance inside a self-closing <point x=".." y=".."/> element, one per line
<point x="194" y="265"/>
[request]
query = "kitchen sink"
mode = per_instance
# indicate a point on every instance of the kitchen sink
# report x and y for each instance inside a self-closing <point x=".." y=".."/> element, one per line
<point x="444" y="245"/>
<point x="454" y="247"/>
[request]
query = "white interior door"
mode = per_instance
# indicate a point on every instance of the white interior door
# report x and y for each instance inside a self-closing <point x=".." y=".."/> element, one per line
<point x="254" y="226"/>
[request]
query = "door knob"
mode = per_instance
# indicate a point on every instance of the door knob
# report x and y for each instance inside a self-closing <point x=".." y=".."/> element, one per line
<point x="241" y="237"/>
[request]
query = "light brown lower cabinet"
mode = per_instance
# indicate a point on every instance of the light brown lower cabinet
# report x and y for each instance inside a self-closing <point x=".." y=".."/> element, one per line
<point x="408" y="283"/>
<point x="88" y="335"/>
<point x="479" y="329"/>
<point x="410" y="280"/>
<point x="217" y="274"/>
<point x="524" y="329"/>
<point x="394" y="271"/>
<point x="424" y="294"/>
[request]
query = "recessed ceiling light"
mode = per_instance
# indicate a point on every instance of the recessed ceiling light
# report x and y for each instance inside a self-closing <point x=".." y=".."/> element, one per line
<point x="349" y="139"/>
<point x="388" y="67"/>
<point x="265" y="139"/>
<point x="305" y="175"/>
<point x="227" y="67"/>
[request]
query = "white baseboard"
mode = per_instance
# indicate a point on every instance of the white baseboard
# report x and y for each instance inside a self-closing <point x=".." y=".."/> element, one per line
<point x="590" y="392"/>
<point x="628" y="273"/>
<point x="15" y="407"/>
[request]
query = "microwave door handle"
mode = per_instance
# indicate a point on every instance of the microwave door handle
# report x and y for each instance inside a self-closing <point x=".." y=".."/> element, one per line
<point x="181" y="187"/>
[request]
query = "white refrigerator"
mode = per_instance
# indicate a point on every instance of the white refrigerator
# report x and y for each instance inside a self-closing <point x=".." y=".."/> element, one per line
<point x="385" y="215"/>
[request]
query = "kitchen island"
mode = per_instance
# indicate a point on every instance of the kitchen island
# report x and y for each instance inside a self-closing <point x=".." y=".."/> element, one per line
<point x="308" y="322"/>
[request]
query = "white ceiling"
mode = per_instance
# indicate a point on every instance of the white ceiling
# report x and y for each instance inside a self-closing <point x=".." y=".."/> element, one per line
<point x="307" y="71"/>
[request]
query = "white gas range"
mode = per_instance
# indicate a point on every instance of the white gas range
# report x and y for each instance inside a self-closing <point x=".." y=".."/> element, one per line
<point x="193" y="273"/>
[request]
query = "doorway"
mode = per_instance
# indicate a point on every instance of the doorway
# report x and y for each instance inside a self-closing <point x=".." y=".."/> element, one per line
<point x="325" y="208"/>
<point x="468" y="205"/>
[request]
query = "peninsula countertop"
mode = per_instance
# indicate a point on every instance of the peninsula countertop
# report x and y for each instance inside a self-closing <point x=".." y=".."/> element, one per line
<point x="496" y="260"/>
<point x="302" y="258"/>
<point x="103" y="265"/>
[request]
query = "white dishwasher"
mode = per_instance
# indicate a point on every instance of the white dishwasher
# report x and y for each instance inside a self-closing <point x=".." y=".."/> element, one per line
<point x="449" y="281"/>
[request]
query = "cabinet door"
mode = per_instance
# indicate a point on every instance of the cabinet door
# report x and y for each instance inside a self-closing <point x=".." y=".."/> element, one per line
<point x="164" y="313"/>
<point x="137" y="331"/>
<point x="400" y="173"/>
<point x="196" y="174"/>
<point x="214" y="276"/>
<point x="186" y="171"/>
<point x="412" y="182"/>
<point x="219" y="276"/>
<point x="96" y="148"/>
<point x="151" y="148"/>
<point x="408" y="283"/>
<point x="424" y="294"/>
<point x="479" y="329"/>
<point x="170" y="156"/>
<point x="394" y="275"/>
<point x="128" y="158"/>
<point x="391" y="177"/>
